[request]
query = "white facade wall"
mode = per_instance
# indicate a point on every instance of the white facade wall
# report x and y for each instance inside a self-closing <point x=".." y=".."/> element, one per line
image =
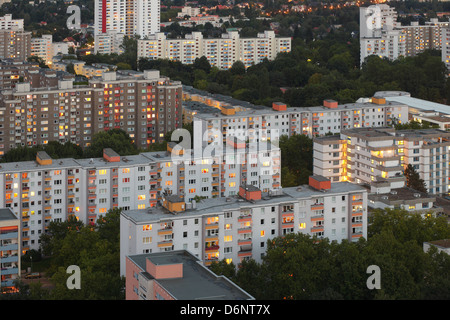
<point x="241" y="229"/>
<point x="373" y="160"/>
<point x="42" y="47"/>
<point x="257" y="125"/>
<point x="8" y="23"/>
<point x="87" y="189"/>
<point x="220" y="52"/>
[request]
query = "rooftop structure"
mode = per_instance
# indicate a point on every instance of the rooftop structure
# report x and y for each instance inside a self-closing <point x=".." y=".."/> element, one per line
<point x="176" y="275"/>
<point x="237" y="227"/>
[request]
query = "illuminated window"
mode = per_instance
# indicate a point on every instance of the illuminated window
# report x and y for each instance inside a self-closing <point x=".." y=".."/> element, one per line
<point x="206" y="170"/>
<point x="147" y="227"/>
<point x="102" y="210"/>
<point x="141" y="206"/>
<point x="126" y="170"/>
<point x="101" y="172"/>
<point x="263" y="233"/>
<point x="228" y="238"/>
<point x="302" y="225"/>
<point x="141" y="197"/>
<point x="211" y="220"/>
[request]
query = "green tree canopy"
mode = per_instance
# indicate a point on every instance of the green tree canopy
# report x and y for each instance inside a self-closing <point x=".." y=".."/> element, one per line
<point x="116" y="139"/>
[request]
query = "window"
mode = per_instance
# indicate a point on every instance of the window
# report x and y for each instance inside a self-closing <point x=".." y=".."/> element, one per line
<point x="147" y="227"/>
<point x="228" y="238"/>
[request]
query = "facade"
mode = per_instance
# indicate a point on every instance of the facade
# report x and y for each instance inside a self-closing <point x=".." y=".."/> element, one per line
<point x="15" y="44"/>
<point x="10" y="249"/>
<point x="108" y="42"/>
<point x="445" y="53"/>
<point x="238" y="227"/>
<point x="368" y="155"/>
<point x="48" y="190"/>
<point x="8" y="23"/>
<point x="382" y="35"/>
<point x="145" y="105"/>
<point x="220" y="52"/>
<point x="11" y="72"/>
<point x="257" y="123"/>
<point x="42" y="47"/>
<point x="114" y="19"/>
<point x="172" y="276"/>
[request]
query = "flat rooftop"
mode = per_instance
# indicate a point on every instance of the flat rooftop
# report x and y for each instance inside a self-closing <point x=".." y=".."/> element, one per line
<point x="444" y="243"/>
<point x="252" y="110"/>
<point x="212" y="206"/>
<point x="403" y="97"/>
<point x="402" y="195"/>
<point x="197" y="283"/>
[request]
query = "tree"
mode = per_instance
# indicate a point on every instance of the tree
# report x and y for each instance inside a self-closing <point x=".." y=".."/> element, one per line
<point x="116" y="139"/>
<point x="296" y="156"/>
<point x="95" y="249"/>
<point x="413" y="179"/>
<point x="223" y="268"/>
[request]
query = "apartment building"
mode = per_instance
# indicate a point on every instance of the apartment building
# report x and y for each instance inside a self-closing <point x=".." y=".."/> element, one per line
<point x="368" y="155"/>
<point x="445" y="47"/>
<point x="10" y="249"/>
<point x="109" y="42"/>
<point x="15" y="42"/>
<point x="238" y="227"/>
<point x="11" y="72"/>
<point x="44" y="48"/>
<point x="166" y="275"/>
<point x="144" y="104"/>
<point x="48" y="190"/>
<point x="382" y="35"/>
<point x="220" y="52"/>
<point x="114" y="19"/>
<point x="7" y="22"/>
<point x="263" y="123"/>
<point x="422" y="37"/>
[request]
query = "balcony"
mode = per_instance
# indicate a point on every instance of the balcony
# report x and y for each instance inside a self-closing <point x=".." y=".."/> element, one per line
<point x="212" y="248"/>
<point x="165" y="231"/>
<point x="7" y="271"/>
<point x="9" y="246"/>
<point x="245" y="253"/>
<point x="244" y="230"/>
<point x="317" y="228"/>
<point x="9" y="235"/>
<point x="317" y="206"/>
<point x="244" y="218"/>
<point x="165" y="244"/>
<point x="243" y="242"/>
